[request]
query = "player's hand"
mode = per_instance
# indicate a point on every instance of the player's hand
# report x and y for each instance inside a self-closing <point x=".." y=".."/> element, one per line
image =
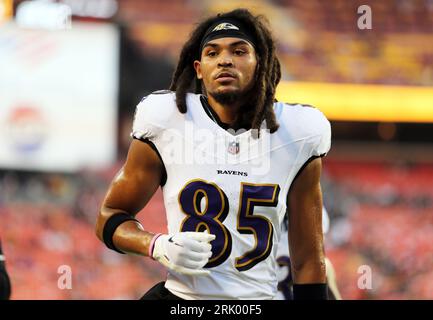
<point x="184" y="252"/>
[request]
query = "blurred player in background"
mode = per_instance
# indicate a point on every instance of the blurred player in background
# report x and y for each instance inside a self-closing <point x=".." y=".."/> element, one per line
<point x="224" y="217"/>
<point x="5" y="284"/>
<point x="285" y="284"/>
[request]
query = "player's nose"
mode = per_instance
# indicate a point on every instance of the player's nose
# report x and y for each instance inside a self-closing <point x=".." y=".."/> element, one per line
<point x="225" y="60"/>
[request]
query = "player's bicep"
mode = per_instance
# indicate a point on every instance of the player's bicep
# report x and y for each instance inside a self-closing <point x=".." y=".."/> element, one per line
<point x="134" y="184"/>
<point x="305" y="225"/>
<point x="136" y="181"/>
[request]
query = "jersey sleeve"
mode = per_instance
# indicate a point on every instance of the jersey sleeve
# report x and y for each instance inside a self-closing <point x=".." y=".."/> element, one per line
<point x="150" y="117"/>
<point x="323" y="143"/>
<point x="154" y="116"/>
<point x="305" y="122"/>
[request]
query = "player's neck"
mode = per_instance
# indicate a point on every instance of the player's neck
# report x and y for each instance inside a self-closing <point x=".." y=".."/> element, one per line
<point x="226" y="113"/>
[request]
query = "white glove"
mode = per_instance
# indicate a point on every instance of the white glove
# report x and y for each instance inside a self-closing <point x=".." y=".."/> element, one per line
<point x="184" y="252"/>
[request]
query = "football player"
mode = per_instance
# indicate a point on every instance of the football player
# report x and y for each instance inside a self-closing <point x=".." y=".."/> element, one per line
<point x="231" y="161"/>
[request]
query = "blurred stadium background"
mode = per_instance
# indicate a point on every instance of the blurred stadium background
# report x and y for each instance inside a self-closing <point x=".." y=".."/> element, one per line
<point x="72" y="71"/>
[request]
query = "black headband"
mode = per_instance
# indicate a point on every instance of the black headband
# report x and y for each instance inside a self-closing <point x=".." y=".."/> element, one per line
<point x="225" y="28"/>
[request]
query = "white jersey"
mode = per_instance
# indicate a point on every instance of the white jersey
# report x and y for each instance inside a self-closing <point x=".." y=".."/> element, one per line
<point x="233" y="186"/>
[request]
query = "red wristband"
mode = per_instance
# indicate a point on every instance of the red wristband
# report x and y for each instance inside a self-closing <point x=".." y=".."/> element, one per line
<point x="152" y="244"/>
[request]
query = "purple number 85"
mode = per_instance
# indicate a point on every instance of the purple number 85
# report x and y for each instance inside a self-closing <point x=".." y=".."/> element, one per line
<point x="211" y="218"/>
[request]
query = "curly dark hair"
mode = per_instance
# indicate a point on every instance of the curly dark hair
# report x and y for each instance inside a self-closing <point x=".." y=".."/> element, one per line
<point x="267" y="77"/>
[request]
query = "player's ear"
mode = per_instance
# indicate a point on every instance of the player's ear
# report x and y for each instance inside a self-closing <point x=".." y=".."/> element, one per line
<point x="197" y="67"/>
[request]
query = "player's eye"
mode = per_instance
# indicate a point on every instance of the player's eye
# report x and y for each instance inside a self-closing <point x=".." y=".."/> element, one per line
<point x="239" y="52"/>
<point x="211" y="53"/>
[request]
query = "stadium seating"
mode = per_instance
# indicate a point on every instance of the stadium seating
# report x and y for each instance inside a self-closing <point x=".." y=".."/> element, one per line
<point x="40" y="236"/>
<point x="388" y="212"/>
<point x="317" y="41"/>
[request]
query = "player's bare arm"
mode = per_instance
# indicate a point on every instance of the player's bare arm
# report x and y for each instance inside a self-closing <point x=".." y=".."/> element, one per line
<point x="130" y="191"/>
<point x="305" y="226"/>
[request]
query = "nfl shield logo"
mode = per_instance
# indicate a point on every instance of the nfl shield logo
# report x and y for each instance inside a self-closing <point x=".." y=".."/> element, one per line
<point x="233" y="147"/>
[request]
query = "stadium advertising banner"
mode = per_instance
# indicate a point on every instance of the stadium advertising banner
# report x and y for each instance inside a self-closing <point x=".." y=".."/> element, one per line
<point x="58" y="97"/>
